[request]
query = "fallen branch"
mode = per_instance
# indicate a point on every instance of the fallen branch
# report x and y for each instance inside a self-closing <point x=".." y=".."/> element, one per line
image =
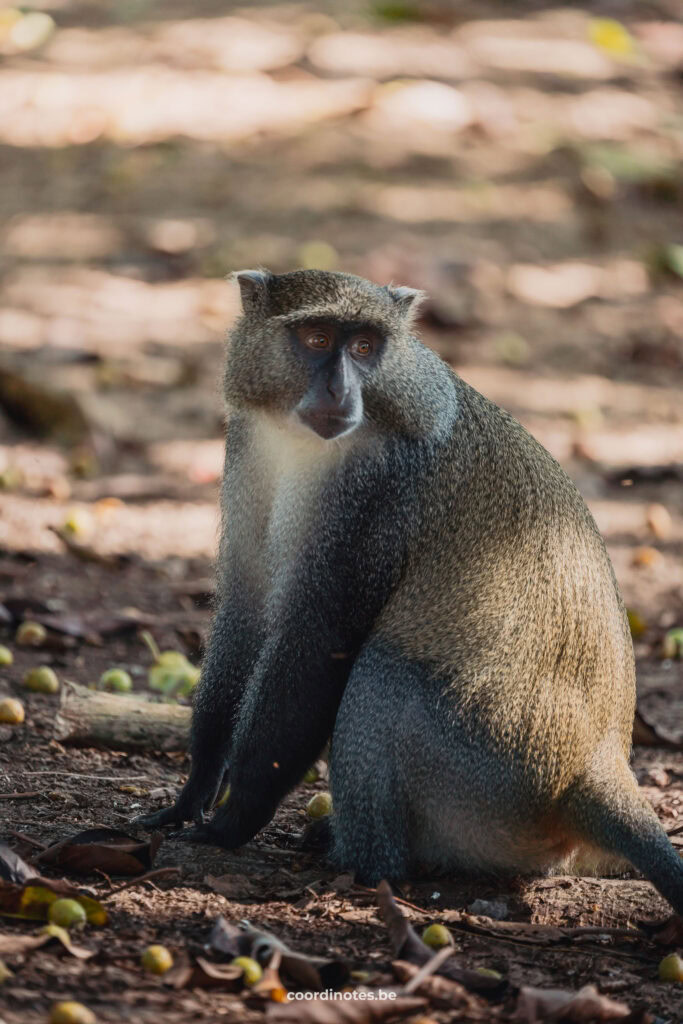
<point x="97" y="719"/>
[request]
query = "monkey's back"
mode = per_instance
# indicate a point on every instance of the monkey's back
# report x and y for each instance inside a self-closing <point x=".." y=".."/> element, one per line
<point x="509" y="601"/>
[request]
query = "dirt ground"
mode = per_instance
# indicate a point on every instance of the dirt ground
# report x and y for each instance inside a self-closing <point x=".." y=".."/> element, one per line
<point x="521" y="163"/>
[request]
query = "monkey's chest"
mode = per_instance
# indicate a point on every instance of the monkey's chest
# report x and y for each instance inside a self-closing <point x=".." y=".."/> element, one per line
<point x="294" y="512"/>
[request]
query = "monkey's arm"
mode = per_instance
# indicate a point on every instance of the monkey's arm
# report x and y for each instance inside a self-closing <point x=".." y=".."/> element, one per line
<point x="228" y="662"/>
<point x="316" y="622"/>
<point x="233" y="643"/>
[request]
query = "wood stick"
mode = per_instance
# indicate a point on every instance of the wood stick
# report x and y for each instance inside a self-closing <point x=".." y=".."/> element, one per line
<point x="94" y="718"/>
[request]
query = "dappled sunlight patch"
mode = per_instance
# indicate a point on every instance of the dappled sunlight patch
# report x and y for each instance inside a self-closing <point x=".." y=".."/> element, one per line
<point x="562" y="396"/>
<point x="153" y="102"/>
<point x="97" y="310"/>
<point x="199" y="461"/>
<point x="424" y="105"/>
<point x="415" y="52"/>
<point x="533" y="46"/>
<point x="477" y="201"/>
<point x="159" y="529"/>
<point x="62" y="236"/>
<point x="566" y="284"/>
<point x="228" y="44"/>
<point x="614" y="114"/>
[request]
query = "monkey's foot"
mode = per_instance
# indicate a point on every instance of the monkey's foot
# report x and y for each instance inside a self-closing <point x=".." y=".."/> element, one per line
<point x="198" y="834"/>
<point x="166" y="816"/>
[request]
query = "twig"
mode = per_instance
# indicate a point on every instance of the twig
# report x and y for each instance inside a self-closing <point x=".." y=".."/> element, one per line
<point x="397" y="899"/>
<point x="427" y="969"/>
<point x="27" y="839"/>
<point x="157" y="873"/>
<point x="99" y="778"/>
<point x="18" y="796"/>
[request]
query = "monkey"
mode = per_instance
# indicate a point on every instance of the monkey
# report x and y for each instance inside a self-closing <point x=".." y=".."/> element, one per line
<point x="406" y="572"/>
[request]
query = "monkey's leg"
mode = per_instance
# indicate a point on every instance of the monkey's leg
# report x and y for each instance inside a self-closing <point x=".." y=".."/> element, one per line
<point x="381" y="727"/>
<point x="611" y="813"/>
<point x="227" y="664"/>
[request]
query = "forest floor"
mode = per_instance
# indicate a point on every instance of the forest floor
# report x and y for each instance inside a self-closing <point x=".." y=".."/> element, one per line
<point x="529" y="180"/>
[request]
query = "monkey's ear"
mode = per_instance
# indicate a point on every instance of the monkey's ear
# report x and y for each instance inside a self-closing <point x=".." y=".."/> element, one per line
<point x="406" y="300"/>
<point x="253" y="288"/>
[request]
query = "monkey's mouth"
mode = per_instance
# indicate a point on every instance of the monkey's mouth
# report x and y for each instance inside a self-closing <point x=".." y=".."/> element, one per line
<point x="327" y="425"/>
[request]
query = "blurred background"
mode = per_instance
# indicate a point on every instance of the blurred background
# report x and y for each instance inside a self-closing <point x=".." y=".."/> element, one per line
<point x="521" y="162"/>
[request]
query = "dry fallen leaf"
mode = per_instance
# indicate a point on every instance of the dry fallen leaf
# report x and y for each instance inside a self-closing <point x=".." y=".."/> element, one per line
<point x="233" y="887"/>
<point x="407" y="945"/>
<point x="12" y="867"/>
<point x="442" y="992"/>
<point x="536" y="1004"/>
<point x="20" y="944"/>
<point x="322" y="1011"/>
<point x="103" y="849"/>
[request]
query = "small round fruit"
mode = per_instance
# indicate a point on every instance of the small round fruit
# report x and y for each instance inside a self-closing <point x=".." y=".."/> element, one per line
<point x="42" y="680"/>
<point x="30" y="634"/>
<point x="311" y="775"/>
<point x="156" y="959"/>
<point x="252" y="970"/>
<point x="6" y="656"/>
<point x="78" y="523"/>
<point x="671" y="968"/>
<point x="67" y="913"/>
<point x="488" y="972"/>
<point x="71" y="1013"/>
<point x="436" y="936"/>
<point x="319" y="806"/>
<point x="11" y="711"/>
<point x="117" y="680"/>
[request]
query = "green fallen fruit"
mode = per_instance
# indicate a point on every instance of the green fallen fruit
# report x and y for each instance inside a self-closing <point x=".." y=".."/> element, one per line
<point x="156" y="960"/>
<point x="319" y="806"/>
<point x="11" y="711"/>
<point x="6" y="656"/>
<point x="117" y="680"/>
<point x="171" y="674"/>
<point x="71" y="1013"/>
<point x="41" y="680"/>
<point x="671" y="968"/>
<point x="67" y="913"/>
<point x="672" y="644"/>
<point x="251" y="969"/>
<point x="436" y="936"/>
<point x="30" y="634"/>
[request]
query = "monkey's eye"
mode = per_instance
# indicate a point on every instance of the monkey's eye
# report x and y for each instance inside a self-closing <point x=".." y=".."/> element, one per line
<point x="318" y="340"/>
<point x="361" y="347"/>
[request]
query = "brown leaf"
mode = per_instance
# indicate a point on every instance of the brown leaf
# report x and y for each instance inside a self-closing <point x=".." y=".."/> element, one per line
<point x="309" y="972"/>
<point x="667" y="933"/>
<point x="233" y="887"/>
<point x="204" y="974"/>
<point x="443" y="992"/>
<point x="12" y="867"/>
<point x="31" y="901"/>
<point x="536" y="1004"/>
<point x="324" y="1011"/>
<point x="103" y="849"/>
<point x="14" y="944"/>
<point x="408" y="946"/>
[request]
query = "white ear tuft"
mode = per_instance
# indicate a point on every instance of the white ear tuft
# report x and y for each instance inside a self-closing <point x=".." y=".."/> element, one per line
<point x="406" y="300"/>
<point x="253" y="287"/>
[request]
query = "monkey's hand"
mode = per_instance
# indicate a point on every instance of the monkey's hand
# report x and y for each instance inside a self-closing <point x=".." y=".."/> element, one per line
<point x="196" y="798"/>
<point x="174" y="815"/>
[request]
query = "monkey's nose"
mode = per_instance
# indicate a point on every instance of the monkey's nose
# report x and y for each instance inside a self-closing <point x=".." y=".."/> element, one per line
<point x="337" y="389"/>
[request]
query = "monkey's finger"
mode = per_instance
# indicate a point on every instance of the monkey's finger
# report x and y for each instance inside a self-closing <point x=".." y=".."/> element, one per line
<point x="195" y="835"/>
<point x="166" y="816"/>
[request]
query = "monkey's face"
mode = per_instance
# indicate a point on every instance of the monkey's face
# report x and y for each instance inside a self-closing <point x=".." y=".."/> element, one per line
<point x="337" y="356"/>
<point x="324" y="349"/>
